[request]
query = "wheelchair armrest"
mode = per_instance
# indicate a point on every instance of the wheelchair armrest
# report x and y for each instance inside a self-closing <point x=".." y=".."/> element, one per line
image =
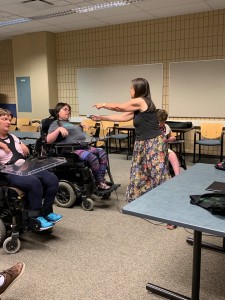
<point x="69" y="147"/>
<point x="72" y="145"/>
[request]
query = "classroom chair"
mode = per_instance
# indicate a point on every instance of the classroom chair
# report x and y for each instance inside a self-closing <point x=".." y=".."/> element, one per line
<point x="12" y="127"/>
<point x="28" y="128"/>
<point x="120" y="135"/>
<point x="210" y="134"/>
<point x="22" y="121"/>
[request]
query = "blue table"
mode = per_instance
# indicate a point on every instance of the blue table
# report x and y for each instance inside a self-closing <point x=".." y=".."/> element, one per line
<point x="170" y="203"/>
<point x="26" y="135"/>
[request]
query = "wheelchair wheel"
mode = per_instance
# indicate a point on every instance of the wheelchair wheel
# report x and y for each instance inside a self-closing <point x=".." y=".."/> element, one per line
<point x="10" y="247"/>
<point x="87" y="204"/>
<point x="2" y="232"/>
<point x="66" y="195"/>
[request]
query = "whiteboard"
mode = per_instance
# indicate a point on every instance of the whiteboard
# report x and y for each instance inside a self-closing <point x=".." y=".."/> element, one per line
<point x="112" y="84"/>
<point x="197" y="89"/>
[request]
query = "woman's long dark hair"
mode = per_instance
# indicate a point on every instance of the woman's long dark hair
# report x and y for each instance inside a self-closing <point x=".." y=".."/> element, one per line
<point x="59" y="106"/>
<point x="142" y="90"/>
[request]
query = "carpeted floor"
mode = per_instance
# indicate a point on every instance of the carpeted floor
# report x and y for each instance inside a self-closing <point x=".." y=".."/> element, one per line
<point x="106" y="255"/>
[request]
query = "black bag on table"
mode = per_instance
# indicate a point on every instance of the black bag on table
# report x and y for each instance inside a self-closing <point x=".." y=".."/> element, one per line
<point x="213" y="202"/>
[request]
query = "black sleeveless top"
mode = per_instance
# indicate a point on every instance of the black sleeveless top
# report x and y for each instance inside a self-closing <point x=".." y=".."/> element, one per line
<point x="146" y="125"/>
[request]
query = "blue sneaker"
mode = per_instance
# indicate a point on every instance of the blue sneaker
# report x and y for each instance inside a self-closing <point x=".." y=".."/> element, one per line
<point x="54" y="218"/>
<point x="44" y="224"/>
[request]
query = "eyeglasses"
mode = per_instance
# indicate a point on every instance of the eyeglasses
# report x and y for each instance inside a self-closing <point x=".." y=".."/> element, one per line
<point x="66" y="109"/>
<point x="4" y="118"/>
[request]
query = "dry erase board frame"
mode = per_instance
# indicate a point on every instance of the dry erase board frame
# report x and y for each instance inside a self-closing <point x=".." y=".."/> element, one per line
<point x="197" y="89"/>
<point x="112" y="84"/>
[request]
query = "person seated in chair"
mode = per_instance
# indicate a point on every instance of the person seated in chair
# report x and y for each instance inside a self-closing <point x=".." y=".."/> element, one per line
<point x="162" y="117"/>
<point x="63" y="131"/>
<point x="41" y="187"/>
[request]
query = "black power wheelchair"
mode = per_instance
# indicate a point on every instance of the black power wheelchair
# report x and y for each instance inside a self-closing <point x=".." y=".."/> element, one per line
<point x="15" y="215"/>
<point x="76" y="181"/>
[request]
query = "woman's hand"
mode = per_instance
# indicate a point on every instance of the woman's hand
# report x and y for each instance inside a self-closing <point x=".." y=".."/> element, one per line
<point x="84" y="126"/>
<point x="5" y="147"/>
<point x="63" y="132"/>
<point x="171" y="139"/>
<point x="95" y="118"/>
<point x="25" y="149"/>
<point x="99" y="105"/>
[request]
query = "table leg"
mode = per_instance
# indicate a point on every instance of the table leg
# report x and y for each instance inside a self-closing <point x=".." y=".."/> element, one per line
<point x="196" y="269"/>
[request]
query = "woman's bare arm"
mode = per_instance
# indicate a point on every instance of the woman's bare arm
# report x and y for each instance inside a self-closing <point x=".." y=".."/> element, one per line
<point x="115" y="118"/>
<point x="51" y="137"/>
<point x="129" y="106"/>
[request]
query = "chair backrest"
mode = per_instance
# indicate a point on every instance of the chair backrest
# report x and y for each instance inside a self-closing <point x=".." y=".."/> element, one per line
<point x="211" y="130"/>
<point x="13" y="121"/>
<point x="105" y="127"/>
<point x="89" y="122"/>
<point x="126" y="123"/>
<point x="12" y="128"/>
<point x="28" y="128"/>
<point x="91" y="130"/>
<point x="22" y="121"/>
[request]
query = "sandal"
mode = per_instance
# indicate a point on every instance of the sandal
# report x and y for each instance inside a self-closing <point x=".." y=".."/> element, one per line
<point x="171" y="227"/>
<point x="103" y="186"/>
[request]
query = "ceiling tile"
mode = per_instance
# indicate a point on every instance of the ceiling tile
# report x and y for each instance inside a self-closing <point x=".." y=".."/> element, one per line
<point x="143" y="10"/>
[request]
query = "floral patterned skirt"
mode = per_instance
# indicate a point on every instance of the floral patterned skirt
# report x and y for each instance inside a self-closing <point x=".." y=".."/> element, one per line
<point x="149" y="166"/>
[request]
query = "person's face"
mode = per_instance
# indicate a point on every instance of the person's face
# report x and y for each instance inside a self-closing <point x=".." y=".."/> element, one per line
<point x="4" y="123"/>
<point x="64" y="113"/>
<point x="132" y="92"/>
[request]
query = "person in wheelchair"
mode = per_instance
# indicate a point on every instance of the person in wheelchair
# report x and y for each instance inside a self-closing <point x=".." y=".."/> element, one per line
<point x="63" y="131"/>
<point x="162" y="117"/>
<point x="40" y="188"/>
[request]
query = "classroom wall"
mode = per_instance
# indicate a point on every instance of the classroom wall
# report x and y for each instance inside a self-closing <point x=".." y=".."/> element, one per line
<point x="34" y="56"/>
<point x="199" y="36"/>
<point x="7" y="83"/>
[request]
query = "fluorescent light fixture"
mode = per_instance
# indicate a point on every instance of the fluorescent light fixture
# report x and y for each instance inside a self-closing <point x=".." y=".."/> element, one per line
<point x="16" y="21"/>
<point x="80" y="10"/>
<point x="104" y="6"/>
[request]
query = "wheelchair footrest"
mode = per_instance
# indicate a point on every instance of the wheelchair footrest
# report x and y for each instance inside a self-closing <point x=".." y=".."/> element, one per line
<point x="34" y="224"/>
<point x="113" y="187"/>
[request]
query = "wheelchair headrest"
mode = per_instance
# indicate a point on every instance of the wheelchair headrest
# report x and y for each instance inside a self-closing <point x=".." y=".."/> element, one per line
<point x="52" y="112"/>
<point x="45" y="123"/>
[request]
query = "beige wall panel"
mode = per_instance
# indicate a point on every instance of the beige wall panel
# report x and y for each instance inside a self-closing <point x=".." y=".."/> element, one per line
<point x="34" y="56"/>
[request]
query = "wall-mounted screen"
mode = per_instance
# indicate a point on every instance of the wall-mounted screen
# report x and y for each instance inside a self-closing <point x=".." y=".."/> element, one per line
<point x="112" y="84"/>
<point x="197" y="89"/>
